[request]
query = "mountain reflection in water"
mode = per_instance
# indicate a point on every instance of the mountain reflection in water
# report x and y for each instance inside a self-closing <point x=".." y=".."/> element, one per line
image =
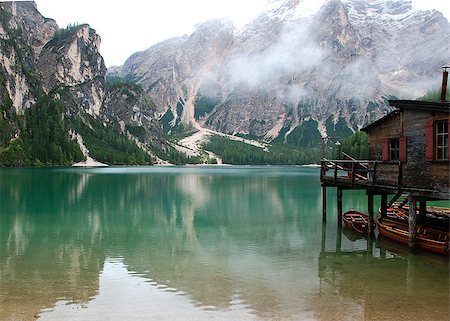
<point x="238" y="243"/>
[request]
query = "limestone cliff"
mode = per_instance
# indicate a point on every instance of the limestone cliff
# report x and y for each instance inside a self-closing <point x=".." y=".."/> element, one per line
<point x="71" y="59"/>
<point x="53" y="85"/>
<point x="173" y="71"/>
<point x="23" y="34"/>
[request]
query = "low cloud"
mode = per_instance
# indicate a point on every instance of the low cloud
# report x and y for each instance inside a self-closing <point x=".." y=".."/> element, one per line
<point x="294" y="53"/>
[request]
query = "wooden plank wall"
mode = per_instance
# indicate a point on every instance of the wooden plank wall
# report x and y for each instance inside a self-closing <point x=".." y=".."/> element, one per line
<point x="417" y="172"/>
<point x="379" y="134"/>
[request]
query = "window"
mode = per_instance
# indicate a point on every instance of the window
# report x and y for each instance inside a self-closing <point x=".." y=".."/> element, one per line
<point x="437" y="140"/>
<point x="394" y="149"/>
<point x="441" y="139"/>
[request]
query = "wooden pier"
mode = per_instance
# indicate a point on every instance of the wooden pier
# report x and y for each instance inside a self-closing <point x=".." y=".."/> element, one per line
<point x="409" y="162"/>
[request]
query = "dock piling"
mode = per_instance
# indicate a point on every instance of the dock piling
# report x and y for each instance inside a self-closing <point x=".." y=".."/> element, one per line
<point x="370" y="210"/>
<point x="339" y="206"/>
<point x="384" y="205"/>
<point x="412" y="221"/>
<point x="324" y="203"/>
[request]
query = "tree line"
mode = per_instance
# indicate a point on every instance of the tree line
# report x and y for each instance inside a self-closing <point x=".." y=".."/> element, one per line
<point x="239" y="153"/>
<point x="43" y="139"/>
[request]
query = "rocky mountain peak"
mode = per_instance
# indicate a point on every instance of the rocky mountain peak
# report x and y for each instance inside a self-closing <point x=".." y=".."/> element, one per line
<point x="72" y="59"/>
<point x="218" y="33"/>
<point x="333" y="30"/>
<point x="296" y="63"/>
<point x="380" y="7"/>
<point x="75" y="55"/>
<point x="32" y="25"/>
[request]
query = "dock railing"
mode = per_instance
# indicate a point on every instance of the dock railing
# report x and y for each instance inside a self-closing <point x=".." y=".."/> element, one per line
<point x="363" y="173"/>
<point x="346" y="171"/>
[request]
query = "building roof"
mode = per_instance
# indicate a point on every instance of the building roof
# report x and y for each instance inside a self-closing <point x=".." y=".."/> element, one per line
<point x="420" y="105"/>
<point x="417" y="105"/>
<point x="380" y="120"/>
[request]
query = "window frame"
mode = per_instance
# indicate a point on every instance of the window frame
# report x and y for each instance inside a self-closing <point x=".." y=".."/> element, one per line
<point x="440" y="141"/>
<point x="394" y="149"/>
<point x="432" y="153"/>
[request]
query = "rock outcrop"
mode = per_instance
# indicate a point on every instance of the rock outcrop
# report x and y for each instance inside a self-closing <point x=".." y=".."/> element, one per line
<point x="38" y="57"/>
<point x="71" y="59"/>
<point x="41" y="64"/>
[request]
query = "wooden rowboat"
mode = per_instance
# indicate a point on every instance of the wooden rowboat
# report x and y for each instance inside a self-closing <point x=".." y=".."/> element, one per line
<point x="426" y="238"/>
<point x="356" y="220"/>
<point x="396" y="213"/>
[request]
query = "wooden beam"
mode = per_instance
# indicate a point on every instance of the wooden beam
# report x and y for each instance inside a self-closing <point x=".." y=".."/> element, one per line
<point x="336" y="166"/>
<point x="339" y="206"/>
<point x="412" y="221"/>
<point x="324" y="203"/>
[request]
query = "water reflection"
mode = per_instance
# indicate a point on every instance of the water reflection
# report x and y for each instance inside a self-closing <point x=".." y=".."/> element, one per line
<point x="237" y="243"/>
<point x="124" y="295"/>
<point x="381" y="280"/>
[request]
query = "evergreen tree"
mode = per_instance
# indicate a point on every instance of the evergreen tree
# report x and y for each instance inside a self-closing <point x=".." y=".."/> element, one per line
<point x="356" y="146"/>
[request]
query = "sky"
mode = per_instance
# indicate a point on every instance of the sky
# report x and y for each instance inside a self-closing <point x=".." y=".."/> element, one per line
<point x="127" y="26"/>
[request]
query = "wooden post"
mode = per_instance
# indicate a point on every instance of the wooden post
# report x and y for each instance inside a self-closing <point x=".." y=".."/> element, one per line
<point x="412" y="221"/>
<point x="324" y="238"/>
<point x="339" y="206"/>
<point x="384" y="204"/>
<point x="399" y="177"/>
<point x="324" y="203"/>
<point x="370" y="244"/>
<point x="335" y="172"/>
<point x="353" y="174"/>
<point x="374" y="174"/>
<point x="422" y="211"/>
<point x="339" y="239"/>
<point x="370" y="209"/>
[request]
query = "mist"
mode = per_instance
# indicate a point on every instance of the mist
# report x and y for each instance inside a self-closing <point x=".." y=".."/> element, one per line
<point x="293" y="53"/>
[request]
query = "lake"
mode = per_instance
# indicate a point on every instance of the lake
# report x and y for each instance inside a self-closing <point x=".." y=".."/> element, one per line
<point x="200" y="243"/>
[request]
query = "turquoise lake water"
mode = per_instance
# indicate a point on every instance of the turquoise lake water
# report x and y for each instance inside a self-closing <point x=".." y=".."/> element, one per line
<point x="200" y="243"/>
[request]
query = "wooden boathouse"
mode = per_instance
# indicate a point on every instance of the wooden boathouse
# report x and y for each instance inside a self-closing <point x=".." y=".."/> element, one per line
<point x="409" y="158"/>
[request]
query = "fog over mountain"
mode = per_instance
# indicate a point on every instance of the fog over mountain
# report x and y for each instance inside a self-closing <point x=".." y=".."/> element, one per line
<point x="288" y="66"/>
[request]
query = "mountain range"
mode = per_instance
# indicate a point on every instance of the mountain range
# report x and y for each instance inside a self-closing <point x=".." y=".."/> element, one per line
<point x="287" y="78"/>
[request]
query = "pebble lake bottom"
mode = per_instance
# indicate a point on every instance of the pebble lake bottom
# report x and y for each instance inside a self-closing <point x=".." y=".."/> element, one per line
<point x="200" y="243"/>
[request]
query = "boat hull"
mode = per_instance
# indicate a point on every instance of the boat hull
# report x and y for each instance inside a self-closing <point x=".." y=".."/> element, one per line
<point x="426" y="238"/>
<point x="357" y="221"/>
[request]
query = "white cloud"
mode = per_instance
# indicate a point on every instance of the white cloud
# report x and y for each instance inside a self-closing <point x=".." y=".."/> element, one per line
<point x="440" y="5"/>
<point x="132" y="25"/>
<point x="127" y="26"/>
<point x="293" y="53"/>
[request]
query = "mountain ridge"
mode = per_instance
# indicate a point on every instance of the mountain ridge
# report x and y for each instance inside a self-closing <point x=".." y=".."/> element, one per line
<point x="294" y="75"/>
<point x="287" y="68"/>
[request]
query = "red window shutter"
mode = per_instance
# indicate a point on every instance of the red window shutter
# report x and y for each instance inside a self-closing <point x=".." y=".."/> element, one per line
<point x="385" y="154"/>
<point x="402" y="141"/>
<point x="429" y="146"/>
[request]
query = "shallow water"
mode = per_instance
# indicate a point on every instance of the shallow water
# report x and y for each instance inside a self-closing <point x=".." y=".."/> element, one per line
<point x="194" y="243"/>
